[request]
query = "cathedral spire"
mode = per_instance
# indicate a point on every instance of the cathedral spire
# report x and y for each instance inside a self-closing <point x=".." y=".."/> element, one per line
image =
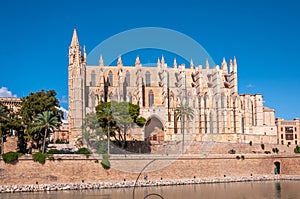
<point x="137" y="61"/>
<point x="158" y="62"/>
<point x="207" y="64"/>
<point x="74" y="41"/>
<point x="175" y="63"/>
<point x="101" y="62"/>
<point x="191" y="64"/>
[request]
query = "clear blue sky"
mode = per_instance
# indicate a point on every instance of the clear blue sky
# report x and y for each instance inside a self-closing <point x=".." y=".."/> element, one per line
<point x="263" y="35"/>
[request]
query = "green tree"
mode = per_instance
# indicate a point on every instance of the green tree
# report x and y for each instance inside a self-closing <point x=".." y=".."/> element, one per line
<point x="92" y="132"/>
<point x="183" y="112"/>
<point x="31" y="106"/>
<point x="4" y="119"/>
<point x="45" y="122"/>
<point x="117" y="117"/>
<point x="36" y="103"/>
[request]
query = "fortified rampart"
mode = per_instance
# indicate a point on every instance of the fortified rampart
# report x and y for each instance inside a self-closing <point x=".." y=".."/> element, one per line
<point x="78" y="168"/>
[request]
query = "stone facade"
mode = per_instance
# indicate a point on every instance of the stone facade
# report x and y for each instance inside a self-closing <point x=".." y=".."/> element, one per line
<point x="211" y="91"/>
<point x="288" y="131"/>
<point x="12" y="103"/>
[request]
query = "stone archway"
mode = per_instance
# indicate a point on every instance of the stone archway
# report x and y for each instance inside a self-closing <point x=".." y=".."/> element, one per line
<point x="154" y="129"/>
<point x="276" y="167"/>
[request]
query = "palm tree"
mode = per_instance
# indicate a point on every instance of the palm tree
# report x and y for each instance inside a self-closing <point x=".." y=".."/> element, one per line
<point x="46" y="120"/>
<point x="4" y="118"/>
<point x="182" y="112"/>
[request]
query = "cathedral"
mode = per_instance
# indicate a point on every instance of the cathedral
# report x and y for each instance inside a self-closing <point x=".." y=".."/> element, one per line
<point x="220" y="112"/>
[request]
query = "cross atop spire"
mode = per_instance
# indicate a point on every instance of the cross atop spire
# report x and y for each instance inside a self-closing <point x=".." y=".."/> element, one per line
<point x="74" y="41"/>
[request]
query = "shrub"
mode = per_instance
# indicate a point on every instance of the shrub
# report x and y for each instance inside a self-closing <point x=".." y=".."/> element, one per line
<point x="105" y="161"/>
<point x="297" y="149"/>
<point x="250" y="143"/>
<point x="262" y="146"/>
<point x="267" y="152"/>
<point x="51" y="158"/>
<point x="231" y="151"/>
<point x="243" y="157"/>
<point x="83" y="151"/>
<point x="54" y="151"/>
<point x="237" y="157"/>
<point x="11" y="157"/>
<point x="275" y="150"/>
<point x="58" y="141"/>
<point x="39" y="157"/>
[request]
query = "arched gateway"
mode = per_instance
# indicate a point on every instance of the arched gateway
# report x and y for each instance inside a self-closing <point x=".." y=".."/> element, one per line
<point x="154" y="129"/>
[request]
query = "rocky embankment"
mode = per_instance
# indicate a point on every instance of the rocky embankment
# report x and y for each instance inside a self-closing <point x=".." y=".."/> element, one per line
<point x="142" y="183"/>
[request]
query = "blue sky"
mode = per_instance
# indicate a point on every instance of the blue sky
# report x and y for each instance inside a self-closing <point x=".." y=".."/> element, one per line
<point x="263" y="35"/>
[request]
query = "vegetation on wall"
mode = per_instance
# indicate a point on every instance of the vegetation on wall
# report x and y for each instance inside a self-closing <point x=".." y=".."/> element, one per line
<point x="11" y="157"/>
<point x="105" y="161"/>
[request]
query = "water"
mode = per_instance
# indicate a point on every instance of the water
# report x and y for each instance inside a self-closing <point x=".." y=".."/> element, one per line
<point x="246" y="190"/>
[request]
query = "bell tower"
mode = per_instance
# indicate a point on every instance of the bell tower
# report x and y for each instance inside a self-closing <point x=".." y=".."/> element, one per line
<point x="76" y="87"/>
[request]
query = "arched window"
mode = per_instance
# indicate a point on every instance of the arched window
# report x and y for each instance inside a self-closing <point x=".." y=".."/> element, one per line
<point x="127" y="78"/>
<point x="110" y="78"/>
<point x="93" y="78"/>
<point x="148" y="79"/>
<point x="150" y="98"/>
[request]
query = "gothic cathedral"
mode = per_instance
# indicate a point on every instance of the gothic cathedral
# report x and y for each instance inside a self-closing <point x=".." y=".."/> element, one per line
<point x="211" y="91"/>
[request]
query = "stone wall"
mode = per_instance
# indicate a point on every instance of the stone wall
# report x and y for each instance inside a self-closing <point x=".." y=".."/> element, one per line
<point x="78" y="168"/>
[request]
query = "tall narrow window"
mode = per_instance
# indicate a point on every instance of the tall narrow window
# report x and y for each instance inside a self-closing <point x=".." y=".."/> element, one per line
<point x="93" y="78"/>
<point x="151" y="98"/>
<point x="129" y="97"/>
<point x="127" y="78"/>
<point x="211" y="123"/>
<point x="93" y="99"/>
<point x="110" y="78"/>
<point x="253" y="116"/>
<point x="148" y="79"/>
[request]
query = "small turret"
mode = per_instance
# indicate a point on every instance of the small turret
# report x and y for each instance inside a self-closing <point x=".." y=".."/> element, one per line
<point x="137" y="61"/>
<point x="158" y="62"/>
<point x="101" y="62"/>
<point x="119" y="61"/>
<point x="162" y="61"/>
<point x="224" y="66"/>
<point x="84" y="53"/>
<point x="207" y="64"/>
<point x="231" y="66"/>
<point x="192" y="64"/>
<point x="175" y="63"/>
<point x="234" y="64"/>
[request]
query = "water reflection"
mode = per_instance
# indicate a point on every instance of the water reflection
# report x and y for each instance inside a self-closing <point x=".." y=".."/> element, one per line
<point x="247" y="190"/>
<point x="278" y="190"/>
